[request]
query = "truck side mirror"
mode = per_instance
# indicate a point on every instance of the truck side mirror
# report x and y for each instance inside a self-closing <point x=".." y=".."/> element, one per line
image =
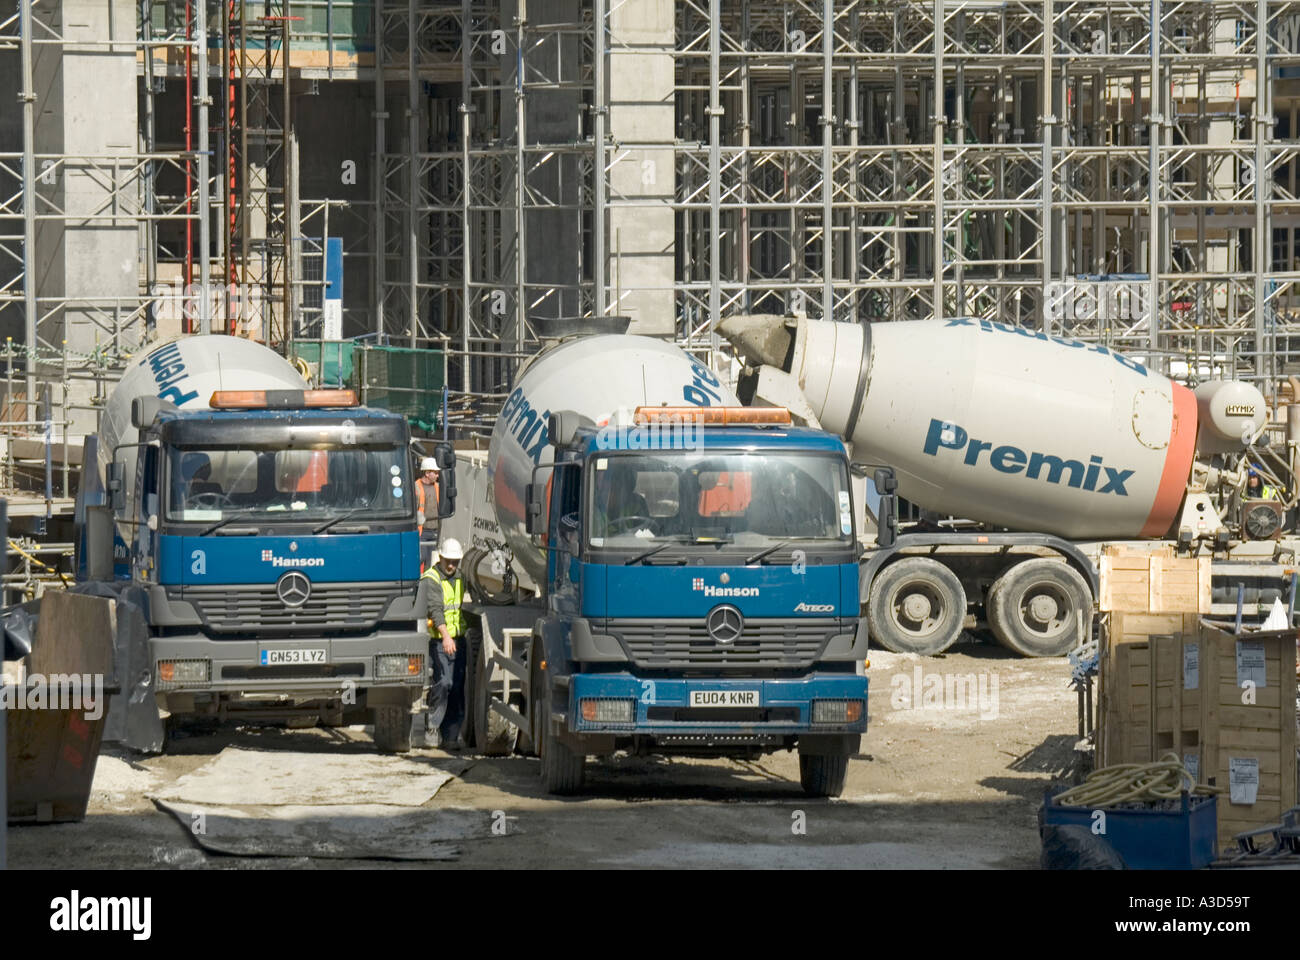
<point x="116" y="488"/>
<point x="445" y="454"/>
<point x="886" y="482"/>
<point x="535" y="522"/>
<point x="563" y="426"/>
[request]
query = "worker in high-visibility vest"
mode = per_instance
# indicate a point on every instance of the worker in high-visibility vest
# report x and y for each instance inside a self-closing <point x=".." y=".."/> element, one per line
<point x="1257" y="489"/>
<point x="447" y="646"/>
<point x="426" y="505"/>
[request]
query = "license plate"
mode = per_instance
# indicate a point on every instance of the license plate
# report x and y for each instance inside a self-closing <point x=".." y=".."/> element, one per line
<point x="271" y="658"/>
<point x="724" y="698"/>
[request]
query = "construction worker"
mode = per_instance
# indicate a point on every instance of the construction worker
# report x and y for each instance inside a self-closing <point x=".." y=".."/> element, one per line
<point x="1257" y="489"/>
<point x="426" y="504"/>
<point x="447" y="646"/>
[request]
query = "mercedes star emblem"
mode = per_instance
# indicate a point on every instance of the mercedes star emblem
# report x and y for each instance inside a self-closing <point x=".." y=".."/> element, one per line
<point x="293" y="589"/>
<point x="725" y="624"/>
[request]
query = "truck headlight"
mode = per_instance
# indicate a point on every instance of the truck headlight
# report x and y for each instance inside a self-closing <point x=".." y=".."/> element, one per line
<point x="399" y="665"/>
<point x="175" y="673"/>
<point x="836" y="711"/>
<point x="605" y="710"/>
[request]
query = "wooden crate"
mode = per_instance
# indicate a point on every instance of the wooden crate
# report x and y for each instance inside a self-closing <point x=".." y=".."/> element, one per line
<point x="1138" y="716"/>
<point x="1153" y="582"/>
<point x="1169" y="682"/>
<point x="1256" y="725"/>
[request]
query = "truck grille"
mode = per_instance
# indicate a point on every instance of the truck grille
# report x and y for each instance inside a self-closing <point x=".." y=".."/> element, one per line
<point x="249" y="608"/>
<point x="771" y="643"/>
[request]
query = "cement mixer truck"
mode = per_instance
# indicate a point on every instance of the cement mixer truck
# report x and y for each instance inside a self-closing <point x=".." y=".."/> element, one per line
<point x="1028" y="452"/>
<point x="268" y="533"/>
<point x="697" y="566"/>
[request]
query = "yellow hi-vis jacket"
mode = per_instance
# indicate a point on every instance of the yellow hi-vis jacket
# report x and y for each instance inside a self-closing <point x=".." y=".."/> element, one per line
<point x="453" y="593"/>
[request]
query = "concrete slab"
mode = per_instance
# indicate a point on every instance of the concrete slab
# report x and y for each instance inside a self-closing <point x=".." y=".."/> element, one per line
<point x="344" y="832"/>
<point x="278" y="778"/>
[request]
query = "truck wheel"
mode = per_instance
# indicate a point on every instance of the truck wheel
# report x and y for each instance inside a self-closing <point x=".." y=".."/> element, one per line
<point x="530" y="741"/>
<point x="823" y="776"/>
<point x="917" y="605"/>
<point x="562" y="768"/>
<point x="493" y="736"/>
<point x="393" y="729"/>
<point x="1033" y="608"/>
<point x="469" y="728"/>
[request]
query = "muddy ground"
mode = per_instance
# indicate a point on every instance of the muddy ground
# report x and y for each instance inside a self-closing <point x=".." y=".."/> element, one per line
<point x="947" y="778"/>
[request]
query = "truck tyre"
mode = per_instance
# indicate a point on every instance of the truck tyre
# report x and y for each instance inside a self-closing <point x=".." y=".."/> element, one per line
<point x="393" y="729"/>
<point x="562" y="768"/>
<point x="1033" y="608"/>
<point x="493" y="736"/>
<point x="530" y="741"/>
<point x="916" y="605"/>
<point x="823" y="776"/>
<point x="469" y="728"/>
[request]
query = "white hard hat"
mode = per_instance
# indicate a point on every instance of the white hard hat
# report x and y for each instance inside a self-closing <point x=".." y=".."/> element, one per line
<point x="450" y="549"/>
<point x="428" y="463"/>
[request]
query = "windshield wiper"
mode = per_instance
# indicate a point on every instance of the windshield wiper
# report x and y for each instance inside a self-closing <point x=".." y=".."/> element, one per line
<point x="658" y="548"/>
<point x="766" y="552"/>
<point x="221" y="523"/>
<point x="339" y="519"/>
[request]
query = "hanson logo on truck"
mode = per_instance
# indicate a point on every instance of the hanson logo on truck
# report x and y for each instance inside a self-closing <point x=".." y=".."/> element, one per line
<point x="273" y="560"/>
<point x="1007" y="458"/>
<point x="711" y="591"/>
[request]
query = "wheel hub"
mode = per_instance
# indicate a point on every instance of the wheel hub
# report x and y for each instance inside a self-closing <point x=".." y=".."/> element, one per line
<point x="1044" y="608"/>
<point x="917" y="607"/>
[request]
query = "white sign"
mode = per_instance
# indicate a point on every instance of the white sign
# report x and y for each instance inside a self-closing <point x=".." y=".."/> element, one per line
<point x="1243" y="779"/>
<point x="1192" y="762"/>
<point x="1191" y="666"/>
<point x="1250" y="663"/>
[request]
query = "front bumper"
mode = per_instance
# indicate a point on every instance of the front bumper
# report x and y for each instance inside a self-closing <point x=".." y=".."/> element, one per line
<point x="663" y="707"/>
<point x="237" y="667"/>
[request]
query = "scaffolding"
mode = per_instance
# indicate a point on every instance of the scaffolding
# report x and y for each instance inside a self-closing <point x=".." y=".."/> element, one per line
<point x="1115" y="171"/>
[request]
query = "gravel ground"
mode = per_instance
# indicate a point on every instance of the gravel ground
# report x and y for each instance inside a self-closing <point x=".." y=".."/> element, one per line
<point x="954" y="765"/>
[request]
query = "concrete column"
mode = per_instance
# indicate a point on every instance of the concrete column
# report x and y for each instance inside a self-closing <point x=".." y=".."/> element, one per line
<point x="641" y="114"/>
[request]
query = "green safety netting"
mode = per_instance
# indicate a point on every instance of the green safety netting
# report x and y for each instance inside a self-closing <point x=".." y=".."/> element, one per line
<point x="400" y="379"/>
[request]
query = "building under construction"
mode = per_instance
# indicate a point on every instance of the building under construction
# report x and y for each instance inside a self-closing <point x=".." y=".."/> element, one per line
<point x="443" y="179"/>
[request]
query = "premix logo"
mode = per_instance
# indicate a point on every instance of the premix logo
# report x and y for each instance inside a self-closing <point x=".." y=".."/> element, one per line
<point x="1009" y="458"/>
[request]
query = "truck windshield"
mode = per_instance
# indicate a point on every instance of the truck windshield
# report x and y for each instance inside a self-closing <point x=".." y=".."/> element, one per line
<point x="268" y="484"/>
<point x="742" y="498"/>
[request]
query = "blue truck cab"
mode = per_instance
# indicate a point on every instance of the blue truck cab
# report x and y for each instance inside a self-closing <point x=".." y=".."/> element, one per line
<point x="701" y="595"/>
<point x="273" y="543"/>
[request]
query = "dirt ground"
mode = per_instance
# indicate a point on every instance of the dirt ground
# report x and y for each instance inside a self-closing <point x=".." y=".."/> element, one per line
<point x="959" y="751"/>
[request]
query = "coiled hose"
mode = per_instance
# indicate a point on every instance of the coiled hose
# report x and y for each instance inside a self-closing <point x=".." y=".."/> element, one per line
<point x="1165" y="779"/>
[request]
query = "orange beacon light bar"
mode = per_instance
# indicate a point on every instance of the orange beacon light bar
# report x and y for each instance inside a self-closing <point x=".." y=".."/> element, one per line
<point x="281" y="399"/>
<point x="714" y="416"/>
